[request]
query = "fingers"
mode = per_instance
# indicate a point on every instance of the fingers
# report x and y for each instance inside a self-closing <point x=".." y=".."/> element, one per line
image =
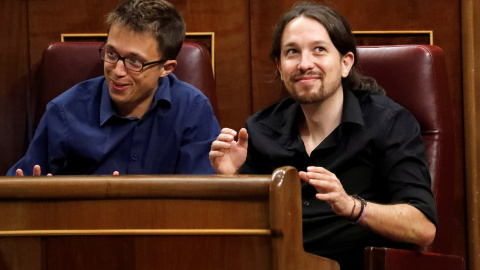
<point x="319" y="170"/>
<point x="303" y="176"/>
<point x="224" y="139"/>
<point x="220" y="145"/>
<point x="322" y="180"/>
<point x="116" y="173"/>
<point x="19" y="172"/>
<point x="37" y="171"/>
<point x="329" y="189"/>
<point x="317" y="173"/>
<point x="243" y="138"/>
<point x="228" y="131"/>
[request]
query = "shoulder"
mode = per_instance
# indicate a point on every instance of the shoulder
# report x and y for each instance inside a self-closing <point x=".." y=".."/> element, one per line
<point x="80" y="100"/>
<point x="184" y="91"/>
<point x="385" y="119"/>
<point x="379" y="100"/>
<point x="280" y="109"/>
<point x="82" y="91"/>
<point x="187" y="102"/>
<point x="377" y="106"/>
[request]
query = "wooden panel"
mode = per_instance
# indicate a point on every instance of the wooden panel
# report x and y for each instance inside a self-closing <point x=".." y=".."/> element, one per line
<point x="263" y="18"/>
<point x="141" y="214"/>
<point x="229" y="21"/>
<point x="365" y="38"/>
<point x="158" y="222"/>
<point x="49" y="19"/>
<point x="244" y="204"/>
<point x="14" y="73"/>
<point x="21" y="253"/>
<point x="158" y="252"/>
<point x="471" y="86"/>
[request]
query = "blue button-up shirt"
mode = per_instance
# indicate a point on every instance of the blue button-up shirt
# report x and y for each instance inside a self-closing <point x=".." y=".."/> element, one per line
<point x="81" y="133"/>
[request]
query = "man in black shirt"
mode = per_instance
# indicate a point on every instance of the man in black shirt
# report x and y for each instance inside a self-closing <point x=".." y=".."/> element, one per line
<point x="361" y="156"/>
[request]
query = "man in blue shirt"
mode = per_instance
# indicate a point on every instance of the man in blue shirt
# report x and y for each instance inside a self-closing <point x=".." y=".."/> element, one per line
<point x="138" y="118"/>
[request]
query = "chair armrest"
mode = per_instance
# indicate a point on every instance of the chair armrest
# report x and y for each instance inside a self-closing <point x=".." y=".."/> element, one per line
<point x="398" y="259"/>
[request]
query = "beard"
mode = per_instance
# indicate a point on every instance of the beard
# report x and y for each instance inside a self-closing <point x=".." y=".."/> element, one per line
<point x="310" y="97"/>
<point x="311" y="94"/>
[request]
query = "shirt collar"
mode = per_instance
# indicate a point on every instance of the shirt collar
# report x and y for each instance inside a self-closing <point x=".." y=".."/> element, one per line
<point x="285" y="121"/>
<point x="107" y="110"/>
<point x="351" y="111"/>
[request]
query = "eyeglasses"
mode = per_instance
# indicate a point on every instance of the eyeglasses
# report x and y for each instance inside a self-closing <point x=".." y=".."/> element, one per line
<point x="132" y="64"/>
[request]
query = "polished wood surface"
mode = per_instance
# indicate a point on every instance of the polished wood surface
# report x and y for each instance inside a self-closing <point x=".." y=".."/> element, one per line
<point x="14" y="78"/>
<point x="229" y="20"/>
<point x="471" y="84"/>
<point x="155" y="222"/>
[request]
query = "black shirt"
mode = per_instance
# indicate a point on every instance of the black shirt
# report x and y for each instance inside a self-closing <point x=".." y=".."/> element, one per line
<point x="376" y="152"/>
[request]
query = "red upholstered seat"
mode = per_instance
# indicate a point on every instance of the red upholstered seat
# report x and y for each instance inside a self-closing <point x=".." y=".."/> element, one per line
<point x="415" y="76"/>
<point x="65" y="64"/>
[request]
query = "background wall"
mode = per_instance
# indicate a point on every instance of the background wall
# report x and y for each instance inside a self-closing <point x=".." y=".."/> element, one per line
<point x="471" y="80"/>
<point x="243" y="30"/>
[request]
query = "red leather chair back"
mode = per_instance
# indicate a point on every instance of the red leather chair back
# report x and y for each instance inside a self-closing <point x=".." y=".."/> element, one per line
<point x="415" y="76"/>
<point x="65" y="64"/>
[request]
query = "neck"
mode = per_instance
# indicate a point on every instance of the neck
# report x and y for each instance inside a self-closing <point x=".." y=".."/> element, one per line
<point x="320" y="120"/>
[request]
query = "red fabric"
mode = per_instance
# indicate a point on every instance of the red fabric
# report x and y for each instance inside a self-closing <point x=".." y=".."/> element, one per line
<point x="415" y="76"/>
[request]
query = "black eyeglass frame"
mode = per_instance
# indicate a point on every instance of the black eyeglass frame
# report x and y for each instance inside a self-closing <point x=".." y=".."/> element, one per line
<point x="123" y="59"/>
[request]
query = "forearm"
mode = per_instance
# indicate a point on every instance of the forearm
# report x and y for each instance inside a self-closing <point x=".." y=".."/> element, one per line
<point x="399" y="222"/>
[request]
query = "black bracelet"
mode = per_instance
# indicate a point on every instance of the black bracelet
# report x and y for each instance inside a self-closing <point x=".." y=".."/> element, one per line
<point x="362" y="209"/>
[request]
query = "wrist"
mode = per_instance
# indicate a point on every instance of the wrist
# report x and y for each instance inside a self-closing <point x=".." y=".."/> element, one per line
<point x="354" y="211"/>
<point x="360" y="215"/>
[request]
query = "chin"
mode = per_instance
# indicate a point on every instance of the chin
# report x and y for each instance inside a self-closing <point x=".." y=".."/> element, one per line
<point x="309" y="98"/>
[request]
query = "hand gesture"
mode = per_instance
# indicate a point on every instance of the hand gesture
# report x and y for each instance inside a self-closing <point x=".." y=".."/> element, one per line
<point x="329" y="190"/>
<point x="226" y="154"/>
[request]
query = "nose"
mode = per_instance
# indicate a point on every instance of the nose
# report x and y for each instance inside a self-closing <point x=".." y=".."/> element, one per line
<point x="306" y="62"/>
<point x="119" y="69"/>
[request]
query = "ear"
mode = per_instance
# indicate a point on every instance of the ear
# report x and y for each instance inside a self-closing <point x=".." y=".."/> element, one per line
<point x="347" y="63"/>
<point x="168" y="67"/>
<point x="279" y="68"/>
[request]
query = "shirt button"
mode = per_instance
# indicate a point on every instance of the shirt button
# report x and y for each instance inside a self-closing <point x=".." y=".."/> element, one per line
<point x="135" y="157"/>
<point x="306" y="203"/>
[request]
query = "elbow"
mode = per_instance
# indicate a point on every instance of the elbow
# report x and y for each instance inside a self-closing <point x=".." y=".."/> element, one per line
<point x="426" y="235"/>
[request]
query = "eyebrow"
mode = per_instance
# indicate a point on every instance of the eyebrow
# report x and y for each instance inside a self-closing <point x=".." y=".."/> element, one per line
<point x="130" y="54"/>
<point x="317" y="42"/>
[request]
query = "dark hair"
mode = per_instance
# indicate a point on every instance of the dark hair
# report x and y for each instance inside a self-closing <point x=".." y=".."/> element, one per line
<point x="340" y="33"/>
<point x="157" y="17"/>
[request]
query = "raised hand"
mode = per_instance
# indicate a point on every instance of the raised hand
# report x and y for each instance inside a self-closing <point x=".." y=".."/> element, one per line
<point x="226" y="154"/>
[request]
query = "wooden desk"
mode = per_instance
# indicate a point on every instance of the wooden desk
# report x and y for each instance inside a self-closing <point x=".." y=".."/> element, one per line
<point x="154" y="222"/>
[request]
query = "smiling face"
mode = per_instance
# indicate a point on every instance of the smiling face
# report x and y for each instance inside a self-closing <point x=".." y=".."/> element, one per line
<point x="310" y="65"/>
<point x="132" y="92"/>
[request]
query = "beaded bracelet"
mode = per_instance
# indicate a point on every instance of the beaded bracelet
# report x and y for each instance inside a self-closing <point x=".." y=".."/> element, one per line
<point x="353" y="208"/>
<point x="361" y="215"/>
